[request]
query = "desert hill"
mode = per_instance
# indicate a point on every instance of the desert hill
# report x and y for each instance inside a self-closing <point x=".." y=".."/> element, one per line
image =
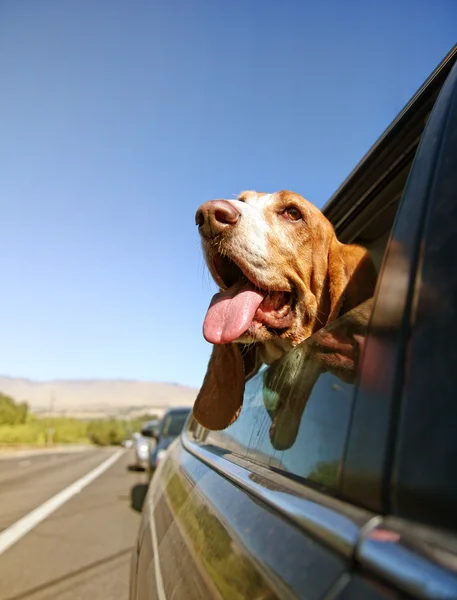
<point x="97" y="398"/>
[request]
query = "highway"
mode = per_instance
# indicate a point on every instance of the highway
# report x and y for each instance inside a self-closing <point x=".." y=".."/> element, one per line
<point x="82" y="549"/>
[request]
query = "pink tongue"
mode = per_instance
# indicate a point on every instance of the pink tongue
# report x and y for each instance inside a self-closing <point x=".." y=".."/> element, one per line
<point x="231" y="312"/>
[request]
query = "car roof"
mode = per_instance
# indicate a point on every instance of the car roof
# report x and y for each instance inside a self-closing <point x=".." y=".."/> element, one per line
<point x="180" y="409"/>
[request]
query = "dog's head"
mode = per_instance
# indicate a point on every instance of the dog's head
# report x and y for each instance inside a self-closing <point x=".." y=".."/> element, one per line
<point x="282" y="275"/>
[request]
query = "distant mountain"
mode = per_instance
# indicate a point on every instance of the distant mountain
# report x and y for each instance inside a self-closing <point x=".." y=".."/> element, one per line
<point x="97" y="397"/>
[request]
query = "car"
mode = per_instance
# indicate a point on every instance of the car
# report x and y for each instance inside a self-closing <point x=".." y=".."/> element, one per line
<point x="338" y="479"/>
<point x="140" y="446"/>
<point x="164" y="433"/>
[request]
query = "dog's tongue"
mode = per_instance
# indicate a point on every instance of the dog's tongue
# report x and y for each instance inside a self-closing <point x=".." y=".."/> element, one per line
<point x="231" y="312"/>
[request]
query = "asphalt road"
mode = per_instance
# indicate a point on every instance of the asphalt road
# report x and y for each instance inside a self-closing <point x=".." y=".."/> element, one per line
<point x="82" y="550"/>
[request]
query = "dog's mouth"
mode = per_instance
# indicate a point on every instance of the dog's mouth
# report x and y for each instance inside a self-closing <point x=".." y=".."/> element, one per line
<point x="243" y="305"/>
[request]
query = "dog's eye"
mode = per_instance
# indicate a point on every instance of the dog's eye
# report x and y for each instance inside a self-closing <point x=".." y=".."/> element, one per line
<point x="292" y="213"/>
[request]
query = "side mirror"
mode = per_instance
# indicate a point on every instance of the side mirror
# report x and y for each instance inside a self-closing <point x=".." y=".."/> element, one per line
<point x="150" y="432"/>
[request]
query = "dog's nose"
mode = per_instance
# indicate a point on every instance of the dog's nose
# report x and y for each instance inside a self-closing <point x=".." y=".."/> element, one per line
<point x="215" y="216"/>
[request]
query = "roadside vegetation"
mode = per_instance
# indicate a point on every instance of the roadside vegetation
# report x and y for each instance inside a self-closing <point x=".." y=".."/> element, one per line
<point x="18" y="426"/>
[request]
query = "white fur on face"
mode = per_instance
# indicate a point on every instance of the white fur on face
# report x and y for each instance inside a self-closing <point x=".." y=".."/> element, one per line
<point x="252" y="230"/>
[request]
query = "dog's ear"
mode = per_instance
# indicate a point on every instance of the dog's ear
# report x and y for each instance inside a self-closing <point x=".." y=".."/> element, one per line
<point x="351" y="277"/>
<point x="220" y="398"/>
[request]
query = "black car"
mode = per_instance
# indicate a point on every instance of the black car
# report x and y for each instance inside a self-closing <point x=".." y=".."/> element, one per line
<point x="338" y="481"/>
<point x="164" y="432"/>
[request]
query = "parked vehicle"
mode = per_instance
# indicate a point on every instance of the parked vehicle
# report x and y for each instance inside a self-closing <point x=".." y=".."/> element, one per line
<point x="338" y="481"/>
<point x="142" y="443"/>
<point x="166" y="431"/>
<point x="141" y="452"/>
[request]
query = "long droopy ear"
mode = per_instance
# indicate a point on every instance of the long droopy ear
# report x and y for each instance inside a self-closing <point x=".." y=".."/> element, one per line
<point x="220" y="398"/>
<point x="351" y="277"/>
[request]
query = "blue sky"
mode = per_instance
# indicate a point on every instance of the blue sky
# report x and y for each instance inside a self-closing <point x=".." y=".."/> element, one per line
<point x="119" y="118"/>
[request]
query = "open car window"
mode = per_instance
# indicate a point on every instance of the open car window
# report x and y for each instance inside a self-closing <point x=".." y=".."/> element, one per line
<point x="174" y="423"/>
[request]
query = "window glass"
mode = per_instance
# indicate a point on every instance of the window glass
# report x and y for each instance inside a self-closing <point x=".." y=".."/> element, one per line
<point x="296" y="412"/>
<point x="173" y="423"/>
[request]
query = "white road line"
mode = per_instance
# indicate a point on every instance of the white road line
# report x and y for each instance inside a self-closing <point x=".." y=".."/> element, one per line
<point x="158" y="572"/>
<point x="14" y="533"/>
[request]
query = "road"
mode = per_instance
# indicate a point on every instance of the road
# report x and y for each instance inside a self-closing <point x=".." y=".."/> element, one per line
<point x="82" y="550"/>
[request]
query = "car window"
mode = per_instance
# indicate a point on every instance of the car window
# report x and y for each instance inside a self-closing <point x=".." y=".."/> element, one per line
<point x="296" y="413"/>
<point x="173" y="424"/>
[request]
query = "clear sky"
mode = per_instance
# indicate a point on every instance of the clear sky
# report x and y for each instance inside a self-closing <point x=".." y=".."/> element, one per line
<point x="118" y="118"/>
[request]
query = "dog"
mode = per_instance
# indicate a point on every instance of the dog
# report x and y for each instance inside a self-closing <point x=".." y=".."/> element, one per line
<point x="283" y="275"/>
